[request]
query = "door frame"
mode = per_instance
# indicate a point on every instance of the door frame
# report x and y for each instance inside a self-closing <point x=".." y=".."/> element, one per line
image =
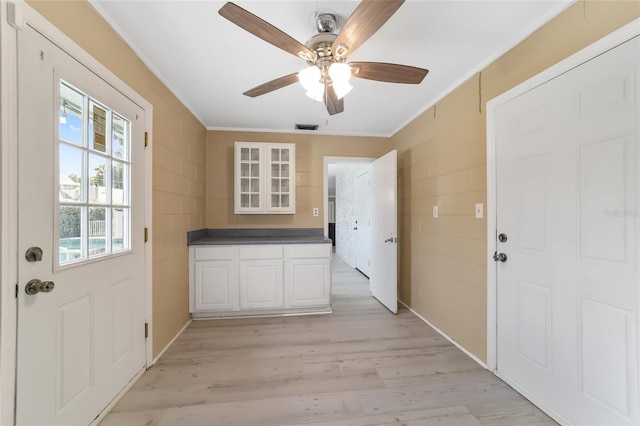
<point x="15" y="16"/>
<point x="325" y="180"/>
<point x="608" y="42"/>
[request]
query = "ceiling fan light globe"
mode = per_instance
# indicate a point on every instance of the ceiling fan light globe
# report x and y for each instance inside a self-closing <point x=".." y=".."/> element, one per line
<point x="316" y="92"/>
<point x="339" y="72"/>
<point x="309" y="77"/>
<point x="342" y="88"/>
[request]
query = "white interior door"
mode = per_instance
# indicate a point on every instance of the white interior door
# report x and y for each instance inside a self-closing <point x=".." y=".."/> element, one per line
<point x="81" y="201"/>
<point x="384" y="230"/>
<point x="567" y="207"/>
<point x="363" y="223"/>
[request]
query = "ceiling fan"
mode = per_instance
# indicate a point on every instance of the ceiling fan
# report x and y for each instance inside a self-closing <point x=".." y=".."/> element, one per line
<point x="327" y="77"/>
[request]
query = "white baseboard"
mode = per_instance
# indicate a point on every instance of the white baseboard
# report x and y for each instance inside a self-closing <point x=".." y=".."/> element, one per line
<point x="443" y="334"/>
<point x="170" y="343"/>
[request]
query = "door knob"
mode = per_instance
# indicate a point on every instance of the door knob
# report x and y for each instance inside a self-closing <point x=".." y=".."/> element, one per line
<point x="499" y="257"/>
<point x="36" y="286"/>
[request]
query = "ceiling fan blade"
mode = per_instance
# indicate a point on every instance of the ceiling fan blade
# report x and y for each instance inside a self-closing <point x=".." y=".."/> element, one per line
<point x="264" y="30"/>
<point x="390" y="73"/>
<point x="272" y="85"/>
<point x="368" y="17"/>
<point x="331" y="101"/>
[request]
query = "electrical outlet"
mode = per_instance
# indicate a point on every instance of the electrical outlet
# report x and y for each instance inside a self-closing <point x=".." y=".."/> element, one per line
<point x="316" y="211"/>
<point x="479" y="211"/>
<point x="435" y="211"/>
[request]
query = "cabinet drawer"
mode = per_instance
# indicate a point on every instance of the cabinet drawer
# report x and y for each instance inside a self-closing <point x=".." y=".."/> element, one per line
<point x="214" y="253"/>
<point x="266" y="251"/>
<point x="307" y="251"/>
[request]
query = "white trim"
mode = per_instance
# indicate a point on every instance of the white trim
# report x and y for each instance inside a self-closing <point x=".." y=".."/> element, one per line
<point x="325" y="179"/>
<point x="148" y="247"/>
<point x="301" y="132"/>
<point x="21" y="15"/>
<point x="9" y="219"/>
<point x="118" y="397"/>
<point x="445" y="335"/>
<point x="608" y="42"/>
<point x="171" y="342"/>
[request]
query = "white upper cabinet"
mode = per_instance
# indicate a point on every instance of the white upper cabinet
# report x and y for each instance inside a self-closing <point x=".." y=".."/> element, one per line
<point x="265" y="178"/>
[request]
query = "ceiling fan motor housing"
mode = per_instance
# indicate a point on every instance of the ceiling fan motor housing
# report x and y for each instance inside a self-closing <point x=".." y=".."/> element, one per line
<point x="326" y="22"/>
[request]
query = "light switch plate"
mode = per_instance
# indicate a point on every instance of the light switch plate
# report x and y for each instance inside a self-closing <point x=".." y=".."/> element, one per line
<point x="435" y="211"/>
<point x="479" y="211"/>
<point x="316" y="211"/>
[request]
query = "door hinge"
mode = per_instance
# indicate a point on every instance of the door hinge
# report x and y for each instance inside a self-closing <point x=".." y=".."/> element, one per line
<point x="146" y="330"/>
<point x="16" y="291"/>
<point x="146" y="234"/>
<point x="146" y="139"/>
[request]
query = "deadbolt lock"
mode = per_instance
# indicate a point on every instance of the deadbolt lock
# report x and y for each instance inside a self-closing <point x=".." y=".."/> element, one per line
<point x="33" y="254"/>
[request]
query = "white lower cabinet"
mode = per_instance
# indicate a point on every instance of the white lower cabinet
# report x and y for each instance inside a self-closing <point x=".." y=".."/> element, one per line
<point x="255" y="279"/>
<point x="308" y="275"/>
<point x="214" y="289"/>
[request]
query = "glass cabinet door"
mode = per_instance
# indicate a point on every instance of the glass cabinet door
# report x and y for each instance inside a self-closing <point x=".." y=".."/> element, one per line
<point x="281" y="178"/>
<point x="248" y="178"/>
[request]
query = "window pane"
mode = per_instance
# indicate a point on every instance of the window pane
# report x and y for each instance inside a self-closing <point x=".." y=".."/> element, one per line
<point x="120" y="130"/>
<point x="70" y="115"/>
<point x="97" y="179"/>
<point x="97" y="127"/>
<point x="120" y="229"/>
<point x="285" y="154"/>
<point x="275" y="154"/>
<point x="70" y="228"/>
<point x="70" y="173"/>
<point x="97" y="231"/>
<point x="94" y="200"/>
<point x="119" y="180"/>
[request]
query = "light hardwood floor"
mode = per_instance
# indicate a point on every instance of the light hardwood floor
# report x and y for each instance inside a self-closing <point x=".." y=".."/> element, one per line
<point x="360" y="365"/>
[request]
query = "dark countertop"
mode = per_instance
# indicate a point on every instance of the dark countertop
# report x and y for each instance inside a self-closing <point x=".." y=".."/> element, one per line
<point x="204" y="237"/>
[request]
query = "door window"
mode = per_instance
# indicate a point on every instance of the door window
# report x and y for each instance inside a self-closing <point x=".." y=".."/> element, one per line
<point x="94" y="204"/>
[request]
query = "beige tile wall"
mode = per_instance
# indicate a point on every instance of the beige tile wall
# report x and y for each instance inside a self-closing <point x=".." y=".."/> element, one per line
<point x="442" y="162"/>
<point x="178" y="160"/>
<point x="310" y="153"/>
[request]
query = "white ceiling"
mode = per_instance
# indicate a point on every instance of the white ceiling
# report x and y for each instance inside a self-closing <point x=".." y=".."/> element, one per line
<point x="208" y="62"/>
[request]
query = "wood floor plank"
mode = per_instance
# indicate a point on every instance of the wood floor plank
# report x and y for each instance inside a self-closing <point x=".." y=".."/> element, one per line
<point x="269" y="411"/>
<point x="360" y="365"/>
<point x="450" y="416"/>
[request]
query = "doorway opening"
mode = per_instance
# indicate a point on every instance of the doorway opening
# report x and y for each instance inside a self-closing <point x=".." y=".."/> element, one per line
<point x="340" y="221"/>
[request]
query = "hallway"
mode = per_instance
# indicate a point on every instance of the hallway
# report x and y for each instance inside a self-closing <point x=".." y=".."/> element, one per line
<point x="360" y="365"/>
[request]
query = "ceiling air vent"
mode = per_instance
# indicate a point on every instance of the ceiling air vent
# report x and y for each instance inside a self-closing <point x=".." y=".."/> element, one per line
<point x="306" y="127"/>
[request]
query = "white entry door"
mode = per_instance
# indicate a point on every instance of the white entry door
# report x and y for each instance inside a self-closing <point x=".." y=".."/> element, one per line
<point x="363" y="223"/>
<point x="81" y="217"/>
<point x="384" y="230"/>
<point x="568" y="222"/>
